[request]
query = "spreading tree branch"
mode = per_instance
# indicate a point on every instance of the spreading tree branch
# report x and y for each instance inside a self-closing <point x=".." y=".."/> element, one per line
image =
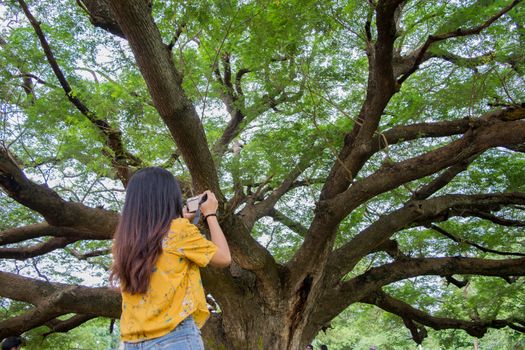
<point x="494" y="129"/>
<point x="476" y="328"/>
<point x="338" y="295"/>
<point x="164" y="84"/>
<point x="45" y="201"/>
<point x="498" y="128"/>
<point x="391" y="247"/>
<point x="28" y="320"/>
<point x="403" y="64"/>
<point x="461" y="61"/>
<point x="262" y="208"/>
<point x="453" y="34"/>
<point x="121" y="160"/>
<point x="474" y="244"/>
<point x="85" y="256"/>
<point x="381" y="87"/>
<point x="412" y="267"/>
<point x="421" y="212"/>
<point x="52" y="300"/>
<point x="418" y="332"/>
<point x="180" y="29"/>
<point x="491" y="217"/>
<point x="233" y="98"/>
<point x="24" y="253"/>
<point x="404" y="133"/>
<point x="460" y="284"/>
<point x="63" y="326"/>
<point x="19" y="234"/>
<point x="442" y="180"/>
<point x="234" y="102"/>
<point x="356" y="146"/>
<point x="288" y="222"/>
<point x="37" y="79"/>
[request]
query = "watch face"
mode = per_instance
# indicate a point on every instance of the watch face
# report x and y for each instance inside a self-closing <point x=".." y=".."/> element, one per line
<point x="192" y="204"/>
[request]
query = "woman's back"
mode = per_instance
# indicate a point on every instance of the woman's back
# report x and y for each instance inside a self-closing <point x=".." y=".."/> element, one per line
<point x="175" y="290"/>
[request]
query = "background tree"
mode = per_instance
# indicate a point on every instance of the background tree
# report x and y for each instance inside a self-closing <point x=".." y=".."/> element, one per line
<point x="363" y="152"/>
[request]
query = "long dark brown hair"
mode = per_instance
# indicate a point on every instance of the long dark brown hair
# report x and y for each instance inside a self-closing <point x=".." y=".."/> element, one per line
<point x="153" y="200"/>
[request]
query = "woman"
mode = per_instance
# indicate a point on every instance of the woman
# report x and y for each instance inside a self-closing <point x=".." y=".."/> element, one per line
<point x="157" y="253"/>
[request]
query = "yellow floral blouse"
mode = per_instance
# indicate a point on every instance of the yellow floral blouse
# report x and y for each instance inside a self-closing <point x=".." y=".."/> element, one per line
<point x="175" y="290"/>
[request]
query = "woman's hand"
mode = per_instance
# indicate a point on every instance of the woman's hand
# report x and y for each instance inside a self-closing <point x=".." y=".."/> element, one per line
<point x="211" y="204"/>
<point x="187" y="214"/>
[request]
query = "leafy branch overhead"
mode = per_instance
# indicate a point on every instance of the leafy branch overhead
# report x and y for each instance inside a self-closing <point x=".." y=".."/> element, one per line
<point x="363" y="153"/>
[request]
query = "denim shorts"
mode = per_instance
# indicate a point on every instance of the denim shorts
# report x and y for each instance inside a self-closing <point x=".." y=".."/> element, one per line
<point x="186" y="336"/>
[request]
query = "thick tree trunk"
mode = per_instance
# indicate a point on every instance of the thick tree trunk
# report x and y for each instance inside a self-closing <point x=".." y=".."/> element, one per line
<point x="258" y="328"/>
<point x="250" y="319"/>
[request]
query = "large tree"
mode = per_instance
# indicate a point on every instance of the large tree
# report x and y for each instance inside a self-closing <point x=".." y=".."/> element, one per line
<point x="361" y="151"/>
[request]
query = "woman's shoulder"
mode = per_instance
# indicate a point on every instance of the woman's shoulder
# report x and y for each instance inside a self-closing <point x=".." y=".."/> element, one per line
<point x="181" y="232"/>
<point x="182" y="226"/>
<point x="179" y="223"/>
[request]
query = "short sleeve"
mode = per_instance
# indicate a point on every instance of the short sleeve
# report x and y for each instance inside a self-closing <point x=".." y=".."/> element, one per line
<point x="185" y="240"/>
